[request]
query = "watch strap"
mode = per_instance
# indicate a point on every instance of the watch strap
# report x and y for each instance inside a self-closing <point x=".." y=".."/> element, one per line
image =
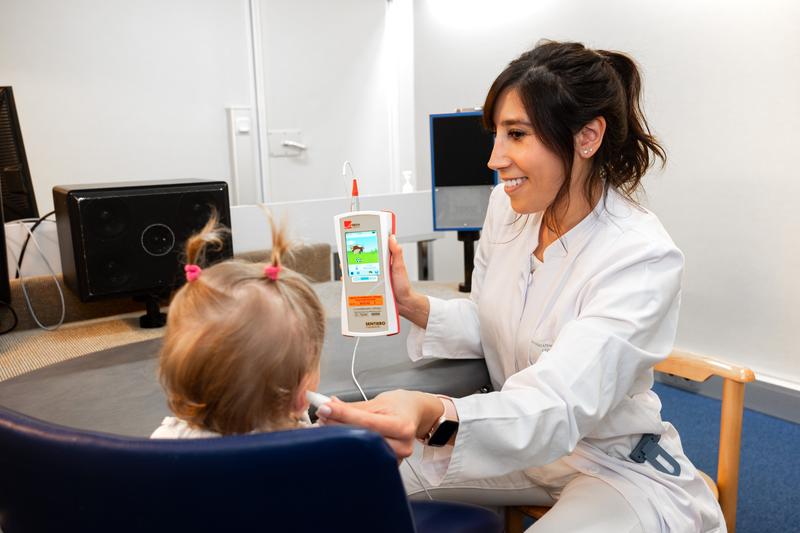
<point x="449" y="414"/>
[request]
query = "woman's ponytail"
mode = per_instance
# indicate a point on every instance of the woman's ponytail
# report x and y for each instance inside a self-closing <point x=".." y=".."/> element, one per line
<point x="627" y="165"/>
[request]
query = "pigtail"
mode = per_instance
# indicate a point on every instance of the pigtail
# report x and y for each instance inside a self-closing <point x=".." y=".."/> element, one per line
<point x="211" y="237"/>
<point x="280" y="243"/>
<point x="628" y="164"/>
<point x="281" y="247"/>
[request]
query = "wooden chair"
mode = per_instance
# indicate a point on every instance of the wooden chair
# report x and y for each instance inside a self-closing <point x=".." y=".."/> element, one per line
<point x="696" y="368"/>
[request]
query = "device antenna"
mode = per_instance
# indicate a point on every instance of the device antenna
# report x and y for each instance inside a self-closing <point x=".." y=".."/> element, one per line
<point x="354" y="206"/>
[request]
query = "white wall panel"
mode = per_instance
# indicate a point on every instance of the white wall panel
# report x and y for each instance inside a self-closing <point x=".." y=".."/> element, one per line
<point x="113" y="90"/>
<point x="721" y="84"/>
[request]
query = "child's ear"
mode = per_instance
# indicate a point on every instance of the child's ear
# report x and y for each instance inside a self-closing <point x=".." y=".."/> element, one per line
<point x="299" y="402"/>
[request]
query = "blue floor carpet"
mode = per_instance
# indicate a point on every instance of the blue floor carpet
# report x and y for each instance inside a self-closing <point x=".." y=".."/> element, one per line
<point x="769" y="475"/>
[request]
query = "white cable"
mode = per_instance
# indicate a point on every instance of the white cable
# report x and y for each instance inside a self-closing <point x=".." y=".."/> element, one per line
<point x="32" y="220"/>
<point x="419" y="479"/>
<point x="55" y="280"/>
<point x="353" y="374"/>
<point x="29" y="221"/>
<point x="344" y="175"/>
<point x="52" y="274"/>
<point x="353" y="370"/>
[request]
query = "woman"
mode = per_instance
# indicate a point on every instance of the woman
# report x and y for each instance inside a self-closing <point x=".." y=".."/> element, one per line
<point x="575" y="297"/>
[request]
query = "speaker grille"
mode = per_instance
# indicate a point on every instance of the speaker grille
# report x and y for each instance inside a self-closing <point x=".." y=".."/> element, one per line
<point x="9" y="157"/>
<point x="11" y="183"/>
<point x="17" y="195"/>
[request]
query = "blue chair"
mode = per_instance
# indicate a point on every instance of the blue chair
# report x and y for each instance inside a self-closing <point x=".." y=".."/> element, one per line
<point x="54" y="478"/>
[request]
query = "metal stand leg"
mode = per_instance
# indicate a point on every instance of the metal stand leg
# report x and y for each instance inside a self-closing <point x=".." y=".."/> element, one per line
<point x="468" y="238"/>
<point x="424" y="260"/>
<point x="154" y="317"/>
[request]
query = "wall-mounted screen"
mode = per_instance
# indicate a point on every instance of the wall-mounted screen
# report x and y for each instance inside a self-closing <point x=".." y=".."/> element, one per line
<point x="461" y="180"/>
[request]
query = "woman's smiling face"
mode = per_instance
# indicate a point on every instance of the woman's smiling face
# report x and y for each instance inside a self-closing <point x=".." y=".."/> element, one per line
<point x="531" y="173"/>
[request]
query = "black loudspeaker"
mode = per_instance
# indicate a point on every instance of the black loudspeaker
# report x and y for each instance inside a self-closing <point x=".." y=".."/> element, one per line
<point x="127" y="239"/>
<point x="5" y="286"/>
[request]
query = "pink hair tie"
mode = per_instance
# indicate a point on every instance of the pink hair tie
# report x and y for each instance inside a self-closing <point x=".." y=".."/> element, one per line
<point x="192" y="272"/>
<point x="272" y="271"/>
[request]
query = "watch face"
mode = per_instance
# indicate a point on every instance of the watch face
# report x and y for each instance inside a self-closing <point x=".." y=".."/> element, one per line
<point x="443" y="433"/>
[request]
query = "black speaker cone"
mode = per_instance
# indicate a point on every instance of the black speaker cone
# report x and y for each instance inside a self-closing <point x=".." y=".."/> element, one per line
<point x="107" y="218"/>
<point x="195" y="209"/>
<point x="158" y="240"/>
<point x="112" y="273"/>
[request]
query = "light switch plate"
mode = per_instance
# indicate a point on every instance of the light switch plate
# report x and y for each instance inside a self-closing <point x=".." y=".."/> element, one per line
<point x="243" y="125"/>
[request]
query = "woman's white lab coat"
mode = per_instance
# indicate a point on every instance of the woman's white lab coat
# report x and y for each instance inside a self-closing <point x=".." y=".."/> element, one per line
<point x="570" y="350"/>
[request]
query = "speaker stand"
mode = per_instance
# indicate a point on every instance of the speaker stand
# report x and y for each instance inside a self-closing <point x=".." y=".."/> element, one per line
<point x="468" y="238"/>
<point x="154" y="318"/>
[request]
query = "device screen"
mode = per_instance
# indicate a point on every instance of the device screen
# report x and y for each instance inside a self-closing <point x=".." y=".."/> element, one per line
<point x="363" y="264"/>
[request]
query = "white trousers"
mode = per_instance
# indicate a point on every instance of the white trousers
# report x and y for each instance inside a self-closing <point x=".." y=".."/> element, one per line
<point x="586" y="504"/>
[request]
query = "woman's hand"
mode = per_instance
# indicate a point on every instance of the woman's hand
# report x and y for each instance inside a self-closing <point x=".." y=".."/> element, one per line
<point x="411" y="305"/>
<point x="400" y="416"/>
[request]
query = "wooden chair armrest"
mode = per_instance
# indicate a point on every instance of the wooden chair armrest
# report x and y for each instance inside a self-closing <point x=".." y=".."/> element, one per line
<point x="700" y="368"/>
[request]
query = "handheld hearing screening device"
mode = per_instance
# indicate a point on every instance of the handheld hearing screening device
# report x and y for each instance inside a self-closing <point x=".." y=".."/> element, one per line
<point x="316" y="399"/>
<point x="368" y="305"/>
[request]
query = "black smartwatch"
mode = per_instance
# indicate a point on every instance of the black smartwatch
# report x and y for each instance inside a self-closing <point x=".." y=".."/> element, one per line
<point x="444" y="428"/>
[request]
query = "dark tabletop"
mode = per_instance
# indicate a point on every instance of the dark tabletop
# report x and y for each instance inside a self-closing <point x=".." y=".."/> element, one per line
<point x="117" y="390"/>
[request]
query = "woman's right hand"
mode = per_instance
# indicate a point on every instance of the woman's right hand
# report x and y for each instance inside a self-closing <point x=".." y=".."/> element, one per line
<point x="400" y="416"/>
<point x="411" y="305"/>
<point x="403" y="292"/>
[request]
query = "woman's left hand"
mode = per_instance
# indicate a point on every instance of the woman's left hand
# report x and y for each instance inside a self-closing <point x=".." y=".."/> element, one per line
<point x="400" y="416"/>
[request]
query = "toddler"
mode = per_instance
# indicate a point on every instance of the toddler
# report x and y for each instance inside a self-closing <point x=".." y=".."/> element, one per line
<point x="242" y="344"/>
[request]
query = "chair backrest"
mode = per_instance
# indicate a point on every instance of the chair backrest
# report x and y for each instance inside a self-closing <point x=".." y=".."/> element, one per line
<point x="700" y="368"/>
<point x="54" y="478"/>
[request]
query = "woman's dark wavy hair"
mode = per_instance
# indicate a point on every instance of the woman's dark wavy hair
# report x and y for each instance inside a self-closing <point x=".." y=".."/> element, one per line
<point x="564" y="86"/>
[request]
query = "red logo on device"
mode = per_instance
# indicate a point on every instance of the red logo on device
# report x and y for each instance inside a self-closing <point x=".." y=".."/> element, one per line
<point x="348" y="224"/>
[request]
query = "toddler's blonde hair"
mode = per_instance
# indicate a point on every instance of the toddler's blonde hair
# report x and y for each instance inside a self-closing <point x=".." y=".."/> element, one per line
<point x="238" y="344"/>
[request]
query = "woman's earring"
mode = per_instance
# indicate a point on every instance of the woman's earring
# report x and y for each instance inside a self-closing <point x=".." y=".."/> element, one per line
<point x="586" y="151"/>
